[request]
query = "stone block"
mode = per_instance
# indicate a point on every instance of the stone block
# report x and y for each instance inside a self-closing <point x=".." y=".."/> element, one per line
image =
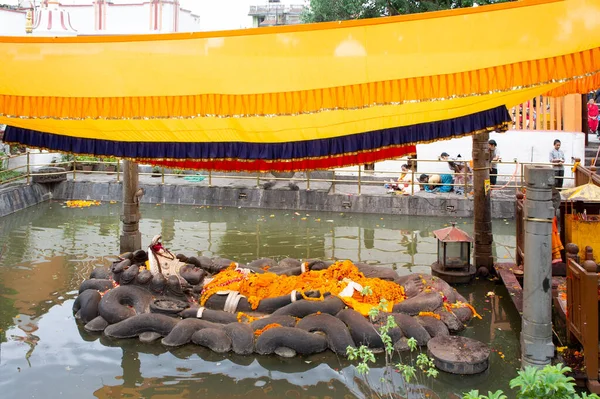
<point x="539" y="176"/>
<point x="41" y="176"/>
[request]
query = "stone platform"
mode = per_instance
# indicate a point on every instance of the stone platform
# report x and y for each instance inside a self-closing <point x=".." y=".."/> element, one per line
<point x="247" y="192"/>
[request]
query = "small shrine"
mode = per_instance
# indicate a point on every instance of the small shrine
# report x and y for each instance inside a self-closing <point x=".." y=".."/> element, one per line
<point x="453" y="263"/>
<point x="49" y="20"/>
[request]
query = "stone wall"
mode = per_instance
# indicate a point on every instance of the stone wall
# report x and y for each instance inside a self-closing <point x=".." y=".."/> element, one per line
<point x="16" y="197"/>
<point x="300" y="200"/>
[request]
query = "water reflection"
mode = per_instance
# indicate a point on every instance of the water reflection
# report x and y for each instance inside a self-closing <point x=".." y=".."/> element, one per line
<point x="48" y="250"/>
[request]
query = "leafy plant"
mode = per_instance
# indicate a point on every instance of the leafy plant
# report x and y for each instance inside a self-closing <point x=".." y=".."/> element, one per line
<point x="474" y="394"/>
<point x="550" y="382"/>
<point x="86" y="159"/>
<point x="327" y="10"/>
<point x="67" y="157"/>
<point x="109" y="159"/>
<point x="156" y="171"/>
<point x="412" y="373"/>
<point x="6" y="175"/>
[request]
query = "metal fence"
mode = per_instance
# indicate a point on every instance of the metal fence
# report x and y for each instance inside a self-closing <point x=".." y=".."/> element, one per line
<point x="356" y="176"/>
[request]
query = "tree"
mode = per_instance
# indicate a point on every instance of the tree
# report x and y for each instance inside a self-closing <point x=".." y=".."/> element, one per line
<point x="340" y="10"/>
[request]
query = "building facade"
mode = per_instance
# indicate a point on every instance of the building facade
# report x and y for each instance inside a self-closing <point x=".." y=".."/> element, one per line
<point x="101" y="17"/>
<point x="275" y="13"/>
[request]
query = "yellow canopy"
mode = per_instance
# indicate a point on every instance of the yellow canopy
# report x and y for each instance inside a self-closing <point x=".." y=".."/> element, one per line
<point x="587" y="192"/>
<point x="296" y="97"/>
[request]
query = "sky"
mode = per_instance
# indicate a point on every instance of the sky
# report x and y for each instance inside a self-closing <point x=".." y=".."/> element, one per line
<point x="214" y="14"/>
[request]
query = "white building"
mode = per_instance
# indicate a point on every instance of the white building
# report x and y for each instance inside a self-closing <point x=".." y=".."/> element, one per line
<point x="274" y="13"/>
<point x="103" y="17"/>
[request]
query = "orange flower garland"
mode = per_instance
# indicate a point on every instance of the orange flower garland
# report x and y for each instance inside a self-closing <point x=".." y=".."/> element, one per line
<point x="334" y="279"/>
<point x="81" y="203"/>
<point x="247" y="318"/>
<point x="265" y="328"/>
<point x="459" y="304"/>
<point x="430" y="314"/>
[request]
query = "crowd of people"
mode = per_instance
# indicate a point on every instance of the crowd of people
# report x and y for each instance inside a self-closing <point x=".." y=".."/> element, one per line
<point x="454" y="181"/>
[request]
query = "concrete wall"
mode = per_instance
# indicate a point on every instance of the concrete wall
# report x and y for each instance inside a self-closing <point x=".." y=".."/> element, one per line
<point x="37" y="159"/>
<point x="12" y="23"/>
<point x="17" y="197"/>
<point x="301" y="200"/>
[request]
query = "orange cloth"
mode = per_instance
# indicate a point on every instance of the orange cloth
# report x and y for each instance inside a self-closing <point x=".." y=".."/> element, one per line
<point x="556" y="243"/>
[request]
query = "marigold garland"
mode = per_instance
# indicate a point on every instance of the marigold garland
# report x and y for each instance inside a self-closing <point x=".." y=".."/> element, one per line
<point x="430" y="314"/>
<point x="334" y="279"/>
<point x="248" y="318"/>
<point x="267" y="327"/>
<point x="460" y="304"/>
<point x="81" y="203"/>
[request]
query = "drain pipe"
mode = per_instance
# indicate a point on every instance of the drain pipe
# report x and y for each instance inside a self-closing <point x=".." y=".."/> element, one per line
<point x="131" y="238"/>
<point x="537" y="348"/>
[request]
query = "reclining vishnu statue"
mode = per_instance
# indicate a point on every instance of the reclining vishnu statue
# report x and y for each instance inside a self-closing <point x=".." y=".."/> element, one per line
<point x="285" y="307"/>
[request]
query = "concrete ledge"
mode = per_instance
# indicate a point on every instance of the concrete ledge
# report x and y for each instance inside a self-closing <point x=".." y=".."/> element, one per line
<point x="247" y="195"/>
<point x="17" y="197"/>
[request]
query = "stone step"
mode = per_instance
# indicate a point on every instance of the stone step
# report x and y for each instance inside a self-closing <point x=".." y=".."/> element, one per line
<point x="505" y="270"/>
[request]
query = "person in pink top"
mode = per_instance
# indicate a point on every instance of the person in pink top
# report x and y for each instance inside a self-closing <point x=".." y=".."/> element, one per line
<point x="592" y="109"/>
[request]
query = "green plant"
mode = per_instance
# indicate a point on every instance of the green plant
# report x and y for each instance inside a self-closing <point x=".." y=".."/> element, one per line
<point x="474" y="394"/>
<point x="67" y="157"/>
<point x="412" y="373"/>
<point x="109" y="159"/>
<point x="3" y="160"/>
<point x="6" y="175"/>
<point x="550" y="382"/>
<point x="156" y="171"/>
<point x="86" y="159"/>
<point x="178" y="171"/>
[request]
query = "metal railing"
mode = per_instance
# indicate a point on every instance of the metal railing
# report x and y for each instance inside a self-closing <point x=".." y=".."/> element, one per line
<point x="346" y="176"/>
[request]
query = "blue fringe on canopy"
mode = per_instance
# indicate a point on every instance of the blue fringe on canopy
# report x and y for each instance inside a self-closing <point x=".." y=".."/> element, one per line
<point x="491" y="119"/>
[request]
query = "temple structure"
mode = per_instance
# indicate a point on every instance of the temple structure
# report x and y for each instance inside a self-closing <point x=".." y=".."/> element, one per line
<point x="97" y="17"/>
<point x="275" y="13"/>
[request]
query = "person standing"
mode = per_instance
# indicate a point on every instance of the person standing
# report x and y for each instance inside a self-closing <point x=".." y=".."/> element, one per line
<point x="557" y="157"/>
<point x="593" y="112"/>
<point x="494" y="159"/>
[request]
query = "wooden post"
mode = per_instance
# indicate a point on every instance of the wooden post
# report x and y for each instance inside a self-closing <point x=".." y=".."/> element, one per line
<point x="359" y="177"/>
<point x="482" y="253"/>
<point x="131" y="238"/>
<point x="28" y="168"/>
<point x="572" y="113"/>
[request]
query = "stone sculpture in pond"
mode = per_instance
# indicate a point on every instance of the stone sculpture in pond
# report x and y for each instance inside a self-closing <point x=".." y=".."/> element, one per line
<point x="287" y="307"/>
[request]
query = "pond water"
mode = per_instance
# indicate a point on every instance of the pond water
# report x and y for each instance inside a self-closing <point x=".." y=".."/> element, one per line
<point x="48" y="250"/>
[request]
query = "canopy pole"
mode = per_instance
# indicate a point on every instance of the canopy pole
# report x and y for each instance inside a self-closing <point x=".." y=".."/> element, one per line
<point x="482" y="252"/>
<point x="537" y="348"/>
<point x="131" y="238"/>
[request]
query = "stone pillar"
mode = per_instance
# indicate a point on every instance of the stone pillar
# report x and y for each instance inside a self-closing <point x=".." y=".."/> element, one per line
<point x="131" y="238"/>
<point x="482" y="252"/>
<point x="536" y="332"/>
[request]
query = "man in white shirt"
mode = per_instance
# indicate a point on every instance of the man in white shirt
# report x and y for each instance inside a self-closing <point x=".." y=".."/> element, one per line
<point x="557" y="157"/>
